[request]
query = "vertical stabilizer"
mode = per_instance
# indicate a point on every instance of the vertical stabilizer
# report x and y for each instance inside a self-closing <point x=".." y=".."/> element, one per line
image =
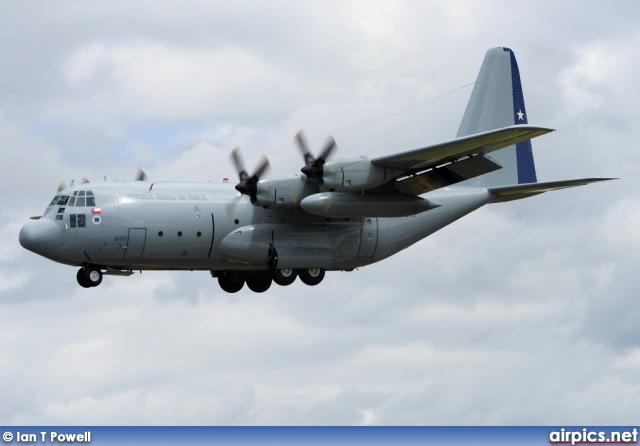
<point x="497" y="101"/>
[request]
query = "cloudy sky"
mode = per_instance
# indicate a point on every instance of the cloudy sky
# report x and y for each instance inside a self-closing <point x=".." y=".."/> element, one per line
<point x="520" y="313"/>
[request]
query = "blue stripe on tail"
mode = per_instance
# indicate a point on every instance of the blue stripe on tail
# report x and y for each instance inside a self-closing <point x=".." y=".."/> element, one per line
<point x="524" y="154"/>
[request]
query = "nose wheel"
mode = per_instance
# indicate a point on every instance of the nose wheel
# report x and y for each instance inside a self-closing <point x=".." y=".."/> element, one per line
<point x="89" y="276"/>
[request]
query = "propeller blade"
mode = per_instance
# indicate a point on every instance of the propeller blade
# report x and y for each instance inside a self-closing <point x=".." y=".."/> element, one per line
<point x="85" y="180"/>
<point x="264" y="165"/>
<point x="331" y="145"/>
<point x="141" y="175"/>
<point x="230" y="207"/>
<point x="302" y="144"/>
<point x="61" y="187"/>
<point x="237" y="160"/>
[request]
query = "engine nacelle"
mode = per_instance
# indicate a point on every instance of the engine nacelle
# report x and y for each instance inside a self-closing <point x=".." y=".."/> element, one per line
<point x="353" y="205"/>
<point x="355" y="175"/>
<point x="283" y="193"/>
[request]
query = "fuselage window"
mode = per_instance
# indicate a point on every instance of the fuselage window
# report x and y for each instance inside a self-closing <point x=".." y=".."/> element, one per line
<point x="91" y="201"/>
<point x="61" y="210"/>
<point x="54" y="201"/>
<point x="63" y="200"/>
<point x="81" y="193"/>
<point x="82" y="221"/>
<point x="80" y="202"/>
<point x="75" y="193"/>
<point x="72" y="200"/>
<point x="89" y="193"/>
<point x="72" y="220"/>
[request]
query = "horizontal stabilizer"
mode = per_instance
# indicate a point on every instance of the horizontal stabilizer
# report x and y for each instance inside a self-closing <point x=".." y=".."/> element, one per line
<point x="519" y="191"/>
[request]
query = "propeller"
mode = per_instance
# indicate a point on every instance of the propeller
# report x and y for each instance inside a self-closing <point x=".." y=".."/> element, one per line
<point x="314" y="167"/>
<point x="248" y="184"/>
<point x="141" y="175"/>
<point x="61" y="187"/>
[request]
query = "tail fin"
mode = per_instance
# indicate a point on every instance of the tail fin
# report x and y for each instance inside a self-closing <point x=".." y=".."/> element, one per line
<point x="497" y="101"/>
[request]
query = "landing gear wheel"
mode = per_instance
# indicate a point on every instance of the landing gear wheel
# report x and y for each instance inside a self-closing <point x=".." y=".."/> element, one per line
<point x="230" y="284"/>
<point x="284" y="277"/>
<point x="259" y="284"/>
<point x="92" y="276"/>
<point x="311" y="276"/>
<point x="81" y="278"/>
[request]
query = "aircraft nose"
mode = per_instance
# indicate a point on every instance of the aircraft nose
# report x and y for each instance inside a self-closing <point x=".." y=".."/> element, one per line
<point x="41" y="237"/>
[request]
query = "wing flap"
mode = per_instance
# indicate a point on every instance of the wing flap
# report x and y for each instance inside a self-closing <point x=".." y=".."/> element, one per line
<point x="455" y="149"/>
<point x="519" y="191"/>
<point x="446" y="175"/>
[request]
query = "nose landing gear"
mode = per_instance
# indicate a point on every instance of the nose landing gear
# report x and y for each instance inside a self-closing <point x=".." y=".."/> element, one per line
<point x="89" y="276"/>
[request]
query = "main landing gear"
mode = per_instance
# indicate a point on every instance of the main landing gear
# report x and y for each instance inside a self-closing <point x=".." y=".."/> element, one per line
<point x="89" y="276"/>
<point x="232" y="283"/>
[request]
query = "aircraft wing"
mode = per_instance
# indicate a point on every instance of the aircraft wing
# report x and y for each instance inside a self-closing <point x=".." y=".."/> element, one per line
<point x="478" y="144"/>
<point x="519" y="191"/>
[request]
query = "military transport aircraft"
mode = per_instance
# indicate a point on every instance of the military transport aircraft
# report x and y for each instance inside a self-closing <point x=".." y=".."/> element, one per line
<point x="336" y="215"/>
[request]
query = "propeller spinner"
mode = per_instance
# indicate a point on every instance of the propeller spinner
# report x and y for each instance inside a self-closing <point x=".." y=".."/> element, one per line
<point x="314" y="167"/>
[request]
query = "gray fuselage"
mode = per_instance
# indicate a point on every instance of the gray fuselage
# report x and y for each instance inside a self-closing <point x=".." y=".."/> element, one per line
<point x="208" y="226"/>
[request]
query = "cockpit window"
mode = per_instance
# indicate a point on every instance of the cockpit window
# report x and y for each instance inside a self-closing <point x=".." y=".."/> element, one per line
<point x="82" y="198"/>
<point x="63" y="200"/>
<point x="54" y="201"/>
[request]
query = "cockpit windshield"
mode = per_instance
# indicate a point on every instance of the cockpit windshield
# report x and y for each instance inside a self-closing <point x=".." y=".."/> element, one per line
<point x="79" y="198"/>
